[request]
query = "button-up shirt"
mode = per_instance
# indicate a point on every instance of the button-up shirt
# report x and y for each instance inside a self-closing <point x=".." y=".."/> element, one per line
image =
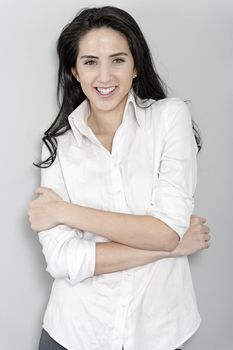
<point x="152" y="170"/>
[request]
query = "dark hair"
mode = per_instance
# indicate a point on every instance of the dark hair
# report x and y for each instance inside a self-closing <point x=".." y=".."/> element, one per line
<point x="147" y="85"/>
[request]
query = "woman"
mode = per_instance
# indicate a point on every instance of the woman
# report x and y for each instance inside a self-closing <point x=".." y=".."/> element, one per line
<point x="118" y="175"/>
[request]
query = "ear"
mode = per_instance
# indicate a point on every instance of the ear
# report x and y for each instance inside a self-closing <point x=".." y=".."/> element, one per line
<point x="134" y="73"/>
<point x="74" y="72"/>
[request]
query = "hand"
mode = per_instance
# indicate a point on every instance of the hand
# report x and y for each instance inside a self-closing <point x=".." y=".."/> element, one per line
<point x="196" y="238"/>
<point x="43" y="211"/>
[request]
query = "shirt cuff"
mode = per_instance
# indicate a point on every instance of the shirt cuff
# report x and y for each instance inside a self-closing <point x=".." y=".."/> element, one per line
<point x="67" y="255"/>
<point x="179" y="223"/>
<point x="86" y="269"/>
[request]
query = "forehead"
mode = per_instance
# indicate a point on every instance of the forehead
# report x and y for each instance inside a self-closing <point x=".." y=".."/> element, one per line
<point x="103" y="40"/>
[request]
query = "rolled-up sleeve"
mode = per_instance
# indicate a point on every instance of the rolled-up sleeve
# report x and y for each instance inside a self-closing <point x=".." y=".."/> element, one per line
<point x="175" y="182"/>
<point x="67" y="254"/>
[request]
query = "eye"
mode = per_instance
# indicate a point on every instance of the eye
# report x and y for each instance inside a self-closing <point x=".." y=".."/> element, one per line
<point x="90" y="62"/>
<point x="118" y="60"/>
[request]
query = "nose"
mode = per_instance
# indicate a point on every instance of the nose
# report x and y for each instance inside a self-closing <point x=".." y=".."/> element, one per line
<point x="104" y="74"/>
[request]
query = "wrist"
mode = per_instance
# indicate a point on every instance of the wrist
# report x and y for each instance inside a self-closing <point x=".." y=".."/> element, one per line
<point x="163" y="254"/>
<point x="63" y="212"/>
<point x="177" y="252"/>
<point x="173" y="254"/>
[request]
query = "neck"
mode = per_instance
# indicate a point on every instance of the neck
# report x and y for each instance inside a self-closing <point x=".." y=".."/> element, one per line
<point x="108" y="122"/>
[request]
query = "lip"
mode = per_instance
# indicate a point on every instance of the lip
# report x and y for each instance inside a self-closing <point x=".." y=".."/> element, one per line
<point x="105" y="87"/>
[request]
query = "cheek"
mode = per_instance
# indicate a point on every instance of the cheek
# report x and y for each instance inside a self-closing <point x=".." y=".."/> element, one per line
<point x="127" y="78"/>
<point x="86" y="82"/>
<point x="86" y="78"/>
<point x="86" y="74"/>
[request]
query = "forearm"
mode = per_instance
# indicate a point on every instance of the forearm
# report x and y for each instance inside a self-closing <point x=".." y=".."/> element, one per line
<point x="112" y="257"/>
<point x="137" y="231"/>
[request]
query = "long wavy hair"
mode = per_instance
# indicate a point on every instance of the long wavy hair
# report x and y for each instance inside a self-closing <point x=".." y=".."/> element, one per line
<point x="147" y="84"/>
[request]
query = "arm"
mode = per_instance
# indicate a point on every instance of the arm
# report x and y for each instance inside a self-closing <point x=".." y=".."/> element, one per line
<point x="137" y="231"/>
<point x="70" y="257"/>
<point x="111" y="257"/>
<point x="67" y="255"/>
<point x="169" y="213"/>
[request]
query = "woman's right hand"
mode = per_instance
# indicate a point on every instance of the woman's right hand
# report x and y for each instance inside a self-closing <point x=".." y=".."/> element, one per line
<point x="196" y="238"/>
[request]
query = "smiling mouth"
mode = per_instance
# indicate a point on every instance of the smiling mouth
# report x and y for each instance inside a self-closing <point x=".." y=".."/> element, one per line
<point x="105" y="91"/>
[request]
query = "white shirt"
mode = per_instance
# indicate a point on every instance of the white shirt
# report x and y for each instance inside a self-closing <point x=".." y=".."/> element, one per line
<point x="152" y="170"/>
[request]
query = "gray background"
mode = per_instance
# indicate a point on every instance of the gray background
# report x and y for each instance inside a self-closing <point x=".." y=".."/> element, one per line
<point x="192" y="46"/>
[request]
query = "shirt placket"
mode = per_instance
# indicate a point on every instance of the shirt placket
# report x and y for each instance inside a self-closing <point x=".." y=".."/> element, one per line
<point x="115" y="186"/>
<point x="119" y="332"/>
<point x="116" y="194"/>
<point x="117" y="203"/>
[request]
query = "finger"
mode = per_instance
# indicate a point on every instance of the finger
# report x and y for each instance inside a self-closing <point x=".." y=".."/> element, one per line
<point x="195" y="216"/>
<point x="40" y="190"/>
<point x="206" y="228"/>
<point x="205" y="245"/>
<point x="206" y="236"/>
<point x="195" y="219"/>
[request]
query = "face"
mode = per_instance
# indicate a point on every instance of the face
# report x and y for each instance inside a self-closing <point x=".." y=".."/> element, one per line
<point x="105" y="68"/>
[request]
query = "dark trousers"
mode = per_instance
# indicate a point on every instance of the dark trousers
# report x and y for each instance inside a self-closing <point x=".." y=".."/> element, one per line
<point x="48" y="343"/>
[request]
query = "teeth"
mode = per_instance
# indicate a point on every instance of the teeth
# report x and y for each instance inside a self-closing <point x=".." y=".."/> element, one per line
<point x="105" y="91"/>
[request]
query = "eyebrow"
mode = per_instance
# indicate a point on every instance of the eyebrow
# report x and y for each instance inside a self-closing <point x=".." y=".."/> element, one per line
<point x="113" y="55"/>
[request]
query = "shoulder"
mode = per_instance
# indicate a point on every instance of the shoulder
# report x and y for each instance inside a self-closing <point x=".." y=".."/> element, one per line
<point x="64" y="142"/>
<point x="169" y="105"/>
<point x="66" y="139"/>
<point x="168" y="110"/>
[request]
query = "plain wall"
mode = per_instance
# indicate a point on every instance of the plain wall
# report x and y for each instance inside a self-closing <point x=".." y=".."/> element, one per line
<point x="193" y="50"/>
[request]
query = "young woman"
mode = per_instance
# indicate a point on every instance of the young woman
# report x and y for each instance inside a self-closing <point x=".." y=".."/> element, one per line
<point x="114" y="212"/>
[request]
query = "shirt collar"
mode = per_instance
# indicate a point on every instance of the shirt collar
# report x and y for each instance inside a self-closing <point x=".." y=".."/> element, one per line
<point x="78" y="118"/>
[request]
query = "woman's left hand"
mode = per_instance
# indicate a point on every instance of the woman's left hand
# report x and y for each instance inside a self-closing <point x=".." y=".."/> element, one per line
<point x="43" y="211"/>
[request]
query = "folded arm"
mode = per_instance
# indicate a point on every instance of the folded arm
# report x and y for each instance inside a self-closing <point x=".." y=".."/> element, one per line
<point x="111" y="257"/>
<point x="138" y="239"/>
<point x="168" y="215"/>
<point x="68" y="255"/>
<point x="137" y="231"/>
